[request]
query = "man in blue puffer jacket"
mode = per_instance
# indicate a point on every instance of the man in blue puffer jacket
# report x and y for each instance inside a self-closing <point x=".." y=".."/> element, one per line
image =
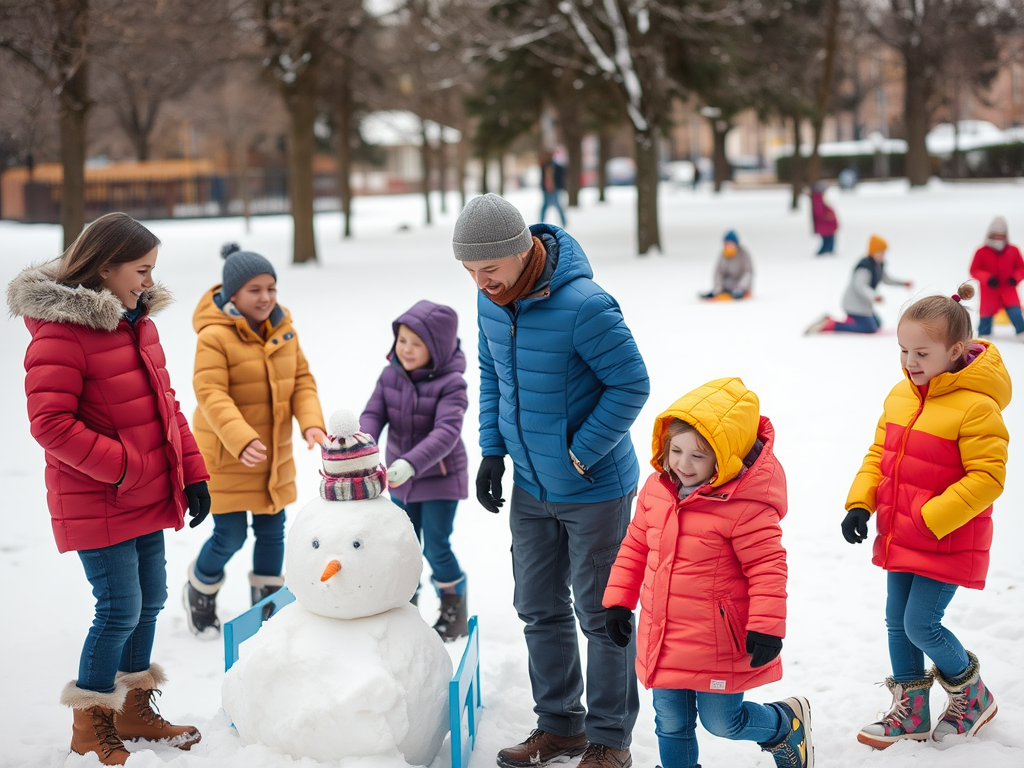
<point x="561" y="382"/>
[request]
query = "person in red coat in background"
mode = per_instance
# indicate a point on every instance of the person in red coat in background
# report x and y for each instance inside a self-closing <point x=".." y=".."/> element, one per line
<point x="121" y="465"/>
<point x="705" y="546"/>
<point x="824" y="218"/>
<point x="998" y="266"/>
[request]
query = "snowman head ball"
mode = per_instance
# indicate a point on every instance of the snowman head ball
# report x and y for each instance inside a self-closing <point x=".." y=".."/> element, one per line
<point x="352" y="552"/>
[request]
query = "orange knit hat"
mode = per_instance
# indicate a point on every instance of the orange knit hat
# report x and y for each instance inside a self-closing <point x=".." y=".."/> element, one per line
<point x="876" y="245"/>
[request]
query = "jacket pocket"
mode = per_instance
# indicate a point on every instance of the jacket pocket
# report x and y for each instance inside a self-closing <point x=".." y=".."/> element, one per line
<point x="602" y="561"/>
<point x="732" y="633"/>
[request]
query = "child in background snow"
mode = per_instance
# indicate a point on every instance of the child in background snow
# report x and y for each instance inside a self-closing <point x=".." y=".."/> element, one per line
<point x="998" y="267"/>
<point x="251" y="379"/>
<point x="937" y="464"/>
<point x="121" y="465"/>
<point x="705" y="546"/>
<point x="734" y="271"/>
<point x="862" y="293"/>
<point x="824" y="219"/>
<point x="421" y="397"/>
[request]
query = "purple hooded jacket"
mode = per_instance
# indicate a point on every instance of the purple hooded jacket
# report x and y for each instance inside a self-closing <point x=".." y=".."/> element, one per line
<point x="424" y="409"/>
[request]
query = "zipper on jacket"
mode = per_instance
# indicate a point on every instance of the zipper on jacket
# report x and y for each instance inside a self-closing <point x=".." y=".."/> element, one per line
<point x="519" y="424"/>
<point x="896" y="476"/>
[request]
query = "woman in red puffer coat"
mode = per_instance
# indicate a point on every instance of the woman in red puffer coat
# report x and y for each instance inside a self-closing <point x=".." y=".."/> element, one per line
<point x="121" y="465"/>
<point x="706" y="547"/>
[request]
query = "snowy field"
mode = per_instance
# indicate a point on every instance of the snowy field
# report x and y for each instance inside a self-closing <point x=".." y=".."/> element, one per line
<point x="823" y="394"/>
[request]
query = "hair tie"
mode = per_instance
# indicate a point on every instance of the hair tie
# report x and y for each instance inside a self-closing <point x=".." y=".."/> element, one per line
<point x="955" y="297"/>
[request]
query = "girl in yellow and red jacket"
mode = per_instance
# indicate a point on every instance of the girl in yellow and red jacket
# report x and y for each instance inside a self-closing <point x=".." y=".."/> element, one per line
<point x="937" y="464"/>
<point x="706" y="547"/>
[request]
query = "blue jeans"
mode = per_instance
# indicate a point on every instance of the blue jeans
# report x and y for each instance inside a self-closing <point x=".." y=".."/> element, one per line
<point x="858" y="324"/>
<point x="129" y="582"/>
<point x="828" y="244"/>
<point x="433" y="522"/>
<point x="914" y="608"/>
<point x="552" y="199"/>
<point x="1014" y="313"/>
<point x="722" y="714"/>
<point x="229" y="532"/>
<point x="555" y="546"/>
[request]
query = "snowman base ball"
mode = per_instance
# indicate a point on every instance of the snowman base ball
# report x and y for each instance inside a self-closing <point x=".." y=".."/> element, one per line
<point x="326" y="688"/>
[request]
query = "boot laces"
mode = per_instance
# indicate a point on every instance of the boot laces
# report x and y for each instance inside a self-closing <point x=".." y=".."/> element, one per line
<point x="899" y="711"/>
<point x="106" y="733"/>
<point x="148" y="709"/>
<point x="957" y="704"/>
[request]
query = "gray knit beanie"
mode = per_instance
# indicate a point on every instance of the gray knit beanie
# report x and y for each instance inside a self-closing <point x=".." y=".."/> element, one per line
<point x="490" y="227"/>
<point x="240" y="267"/>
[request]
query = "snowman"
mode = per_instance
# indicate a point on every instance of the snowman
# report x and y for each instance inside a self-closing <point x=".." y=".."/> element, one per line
<point x="349" y="669"/>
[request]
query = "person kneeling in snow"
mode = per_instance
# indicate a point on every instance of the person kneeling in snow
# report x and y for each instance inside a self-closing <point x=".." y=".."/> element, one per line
<point x="734" y="271"/>
<point x="862" y="293"/>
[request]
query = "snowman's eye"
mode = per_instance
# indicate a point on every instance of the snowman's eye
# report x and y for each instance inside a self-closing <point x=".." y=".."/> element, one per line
<point x="357" y="544"/>
<point x="316" y="543"/>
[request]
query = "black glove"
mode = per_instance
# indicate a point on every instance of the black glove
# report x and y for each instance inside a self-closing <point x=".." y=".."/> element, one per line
<point x="708" y="295"/>
<point x="618" y="623"/>
<point x="1012" y="281"/>
<point x="198" y="495"/>
<point x="488" y="483"/>
<point x="993" y="282"/>
<point x="762" y="648"/>
<point x="855" y="526"/>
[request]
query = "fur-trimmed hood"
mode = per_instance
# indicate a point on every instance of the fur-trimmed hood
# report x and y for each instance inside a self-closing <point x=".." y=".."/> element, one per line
<point x="35" y="293"/>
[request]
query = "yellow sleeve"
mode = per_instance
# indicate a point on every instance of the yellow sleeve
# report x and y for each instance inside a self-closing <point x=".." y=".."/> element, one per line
<point x="305" y="402"/>
<point x="865" y="484"/>
<point x="211" y="383"/>
<point x="983" y="444"/>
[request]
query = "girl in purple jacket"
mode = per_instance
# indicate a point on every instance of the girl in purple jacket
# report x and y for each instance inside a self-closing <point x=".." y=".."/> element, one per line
<point x="421" y="396"/>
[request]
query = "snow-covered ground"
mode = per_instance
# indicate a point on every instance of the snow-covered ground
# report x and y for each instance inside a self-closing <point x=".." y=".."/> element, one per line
<point x="823" y="394"/>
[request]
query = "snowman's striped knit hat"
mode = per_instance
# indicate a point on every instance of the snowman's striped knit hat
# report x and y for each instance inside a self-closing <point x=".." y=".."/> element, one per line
<point x="352" y="468"/>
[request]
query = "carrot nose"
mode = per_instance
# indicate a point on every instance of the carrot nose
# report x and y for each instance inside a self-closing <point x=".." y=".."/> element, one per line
<point x="332" y="568"/>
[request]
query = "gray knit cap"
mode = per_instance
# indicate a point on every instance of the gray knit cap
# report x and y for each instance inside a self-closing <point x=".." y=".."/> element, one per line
<point x="239" y="268"/>
<point x="490" y="227"/>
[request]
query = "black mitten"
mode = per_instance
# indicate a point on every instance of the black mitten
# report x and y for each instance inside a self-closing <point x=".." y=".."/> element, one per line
<point x="762" y="648"/>
<point x="993" y="282"/>
<point x="855" y="525"/>
<point x="618" y="623"/>
<point x="488" y="483"/>
<point x="198" y="495"/>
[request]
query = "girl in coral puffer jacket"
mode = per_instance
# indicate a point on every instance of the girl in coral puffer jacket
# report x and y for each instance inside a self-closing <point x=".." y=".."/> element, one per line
<point x="706" y="546"/>
<point x="937" y="464"/>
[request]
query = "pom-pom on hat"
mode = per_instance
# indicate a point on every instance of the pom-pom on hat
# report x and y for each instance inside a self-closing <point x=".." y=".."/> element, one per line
<point x="997" y="234"/>
<point x="877" y="245"/>
<point x="352" y="468"/>
<point x="240" y="267"/>
<point x="490" y="227"/>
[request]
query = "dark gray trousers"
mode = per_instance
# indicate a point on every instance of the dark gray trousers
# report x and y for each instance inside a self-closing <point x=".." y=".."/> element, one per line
<point x="556" y="546"/>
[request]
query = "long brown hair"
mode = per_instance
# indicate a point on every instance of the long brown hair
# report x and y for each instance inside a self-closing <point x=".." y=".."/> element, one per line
<point x="946" y="319"/>
<point x="116" y="238"/>
<point x="678" y="427"/>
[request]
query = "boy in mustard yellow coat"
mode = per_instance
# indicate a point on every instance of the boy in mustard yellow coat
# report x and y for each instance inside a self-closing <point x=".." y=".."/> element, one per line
<point x="250" y="379"/>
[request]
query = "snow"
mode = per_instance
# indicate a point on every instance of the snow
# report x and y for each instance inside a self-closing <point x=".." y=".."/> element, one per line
<point x="823" y="394"/>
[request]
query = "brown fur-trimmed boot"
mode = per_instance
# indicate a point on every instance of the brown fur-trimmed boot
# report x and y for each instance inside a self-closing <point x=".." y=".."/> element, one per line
<point x="139" y="720"/>
<point x="93" y="729"/>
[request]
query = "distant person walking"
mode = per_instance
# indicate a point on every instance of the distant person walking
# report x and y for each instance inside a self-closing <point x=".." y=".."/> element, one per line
<point x="998" y="266"/>
<point x="825" y="222"/>
<point x="552" y="182"/>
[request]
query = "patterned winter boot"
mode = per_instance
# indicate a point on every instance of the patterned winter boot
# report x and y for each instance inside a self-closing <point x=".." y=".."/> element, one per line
<point x="264" y="586"/>
<point x="200" y="601"/>
<point x="93" y="729"/>
<point x="453" y="622"/>
<point x="139" y="720"/>
<point x="908" y="718"/>
<point x="795" y="750"/>
<point x="971" y="703"/>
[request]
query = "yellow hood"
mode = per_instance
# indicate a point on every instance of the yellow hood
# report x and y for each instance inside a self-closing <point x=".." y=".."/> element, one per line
<point x="726" y="413"/>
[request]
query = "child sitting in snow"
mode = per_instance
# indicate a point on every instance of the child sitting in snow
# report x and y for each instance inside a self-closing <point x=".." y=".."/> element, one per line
<point x="862" y="293"/>
<point x="937" y="464"/>
<point x="421" y="397"/>
<point x="734" y="271"/>
<point x="251" y="379"/>
<point x="705" y="546"/>
<point x="998" y="267"/>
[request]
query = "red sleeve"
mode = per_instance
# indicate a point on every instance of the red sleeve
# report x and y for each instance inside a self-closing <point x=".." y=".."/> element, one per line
<point x="193" y="466"/>
<point x="978" y="270"/>
<point x="757" y="541"/>
<point x="628" y="569"/>
<point x="1018" y="264"/>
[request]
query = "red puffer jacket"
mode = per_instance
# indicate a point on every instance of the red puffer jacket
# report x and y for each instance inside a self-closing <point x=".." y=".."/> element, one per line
<point x="101" y="405"/>
<point x="712" y="566"/>
<point x="1001" y="265"/>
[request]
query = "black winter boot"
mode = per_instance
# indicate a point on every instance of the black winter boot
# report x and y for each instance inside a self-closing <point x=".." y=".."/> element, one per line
<point x="453" y="622"/>
<point x="264" y="586"/>
<point x="200" y="601"/>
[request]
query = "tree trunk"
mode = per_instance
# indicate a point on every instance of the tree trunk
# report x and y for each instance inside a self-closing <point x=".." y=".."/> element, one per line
<point x="343" y="126"/>
<point x="572" y="132"/>
<point x="796" y="166"/>
<point x="647" y="231"/>
<point x="461" y="155"/>
<point x="824" y="88"/>
<point x="915" y="120"/>
<point x="426" y="166"/>
<point x="74" y="112"/>
<point x="723" y="172"/>
<point x="442" y="170"/>
<point x="501" y="174"/>
<point x="243" y="188"/>
<point x="485" y="186"/>
<point x="604" y="151"/>
<point x="300" y="100"/>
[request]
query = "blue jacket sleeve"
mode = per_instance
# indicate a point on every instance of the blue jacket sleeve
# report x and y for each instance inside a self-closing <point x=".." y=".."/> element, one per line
<point x="491" y="443"/>
<point x="606" y="345"/>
